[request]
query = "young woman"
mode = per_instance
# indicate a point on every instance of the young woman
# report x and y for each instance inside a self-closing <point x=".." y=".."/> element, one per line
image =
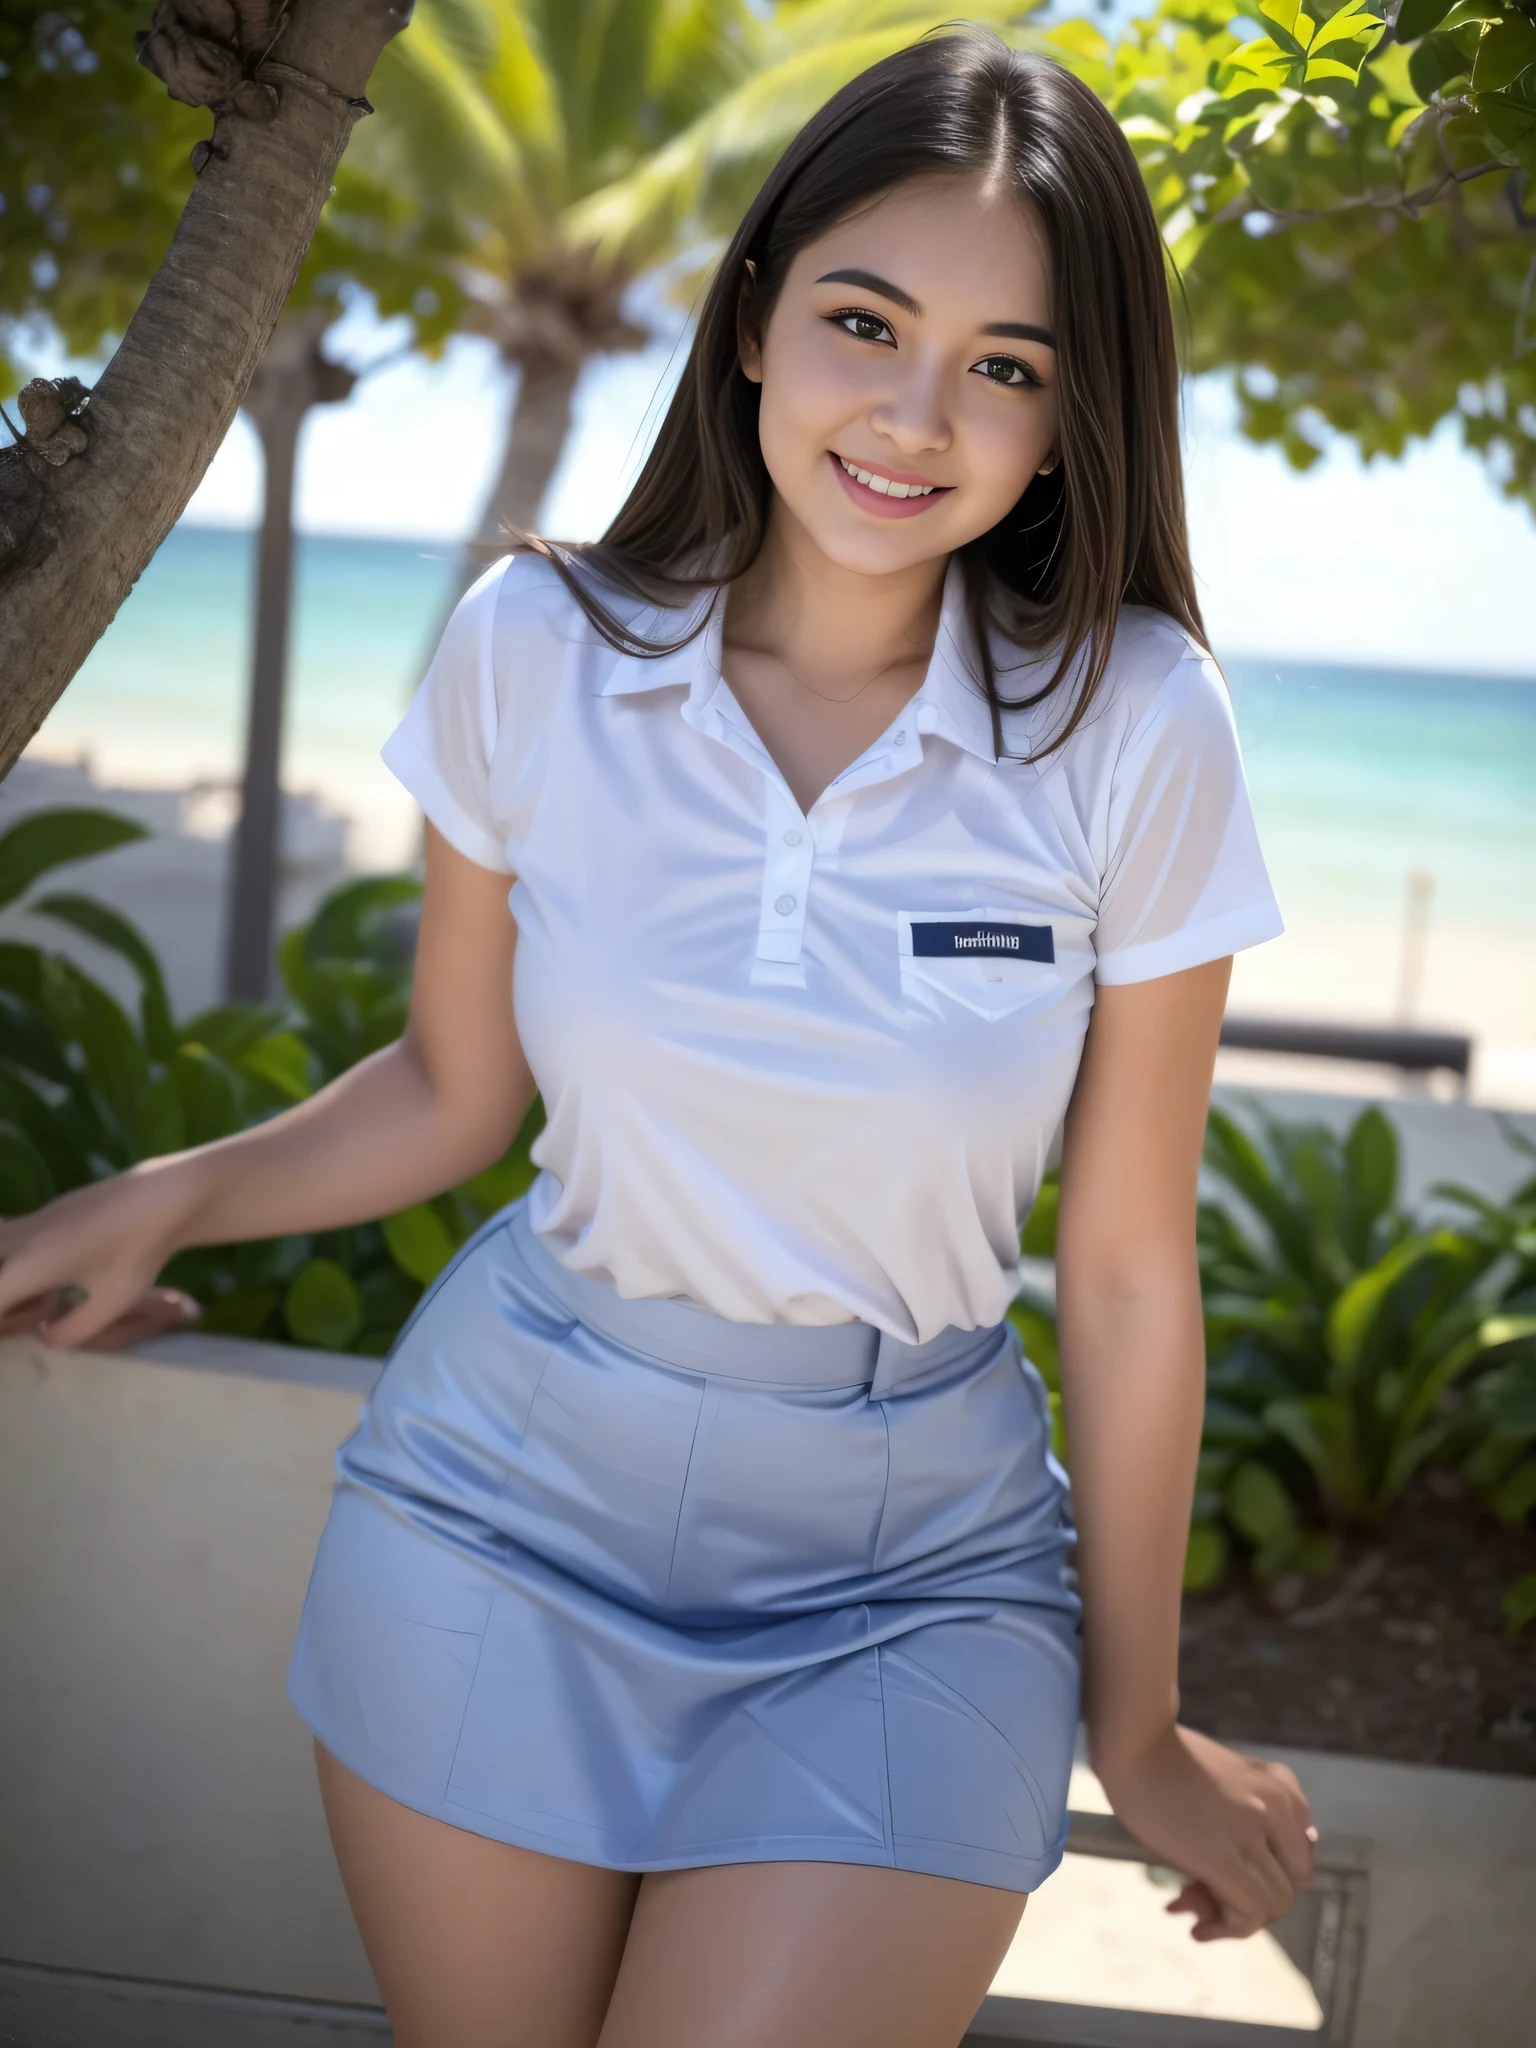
<point x="692" y="1650"/>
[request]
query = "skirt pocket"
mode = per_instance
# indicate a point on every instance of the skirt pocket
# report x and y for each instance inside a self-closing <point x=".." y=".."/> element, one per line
<point x="782" y="1505"/>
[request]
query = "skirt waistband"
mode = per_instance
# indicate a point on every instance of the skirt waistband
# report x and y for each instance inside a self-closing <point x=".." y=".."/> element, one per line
<point x="786" y="1354"/>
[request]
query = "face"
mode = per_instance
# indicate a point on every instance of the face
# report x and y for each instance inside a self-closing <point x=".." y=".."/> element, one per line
<point x="908" y="375"/>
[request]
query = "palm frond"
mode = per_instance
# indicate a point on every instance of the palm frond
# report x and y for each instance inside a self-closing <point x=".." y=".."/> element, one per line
<point x="697" y="184"/>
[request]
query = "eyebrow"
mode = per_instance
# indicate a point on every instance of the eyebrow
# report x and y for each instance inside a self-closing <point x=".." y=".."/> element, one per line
<point x="1018" y="330"/>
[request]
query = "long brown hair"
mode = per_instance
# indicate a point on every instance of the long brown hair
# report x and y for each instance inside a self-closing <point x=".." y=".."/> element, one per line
<point x="1105" y="528"/>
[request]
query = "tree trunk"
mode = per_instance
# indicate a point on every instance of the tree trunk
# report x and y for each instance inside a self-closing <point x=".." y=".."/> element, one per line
<point x="536" y="435"/>
<point x="75" y="538"/>
<point x="291" y="377"/>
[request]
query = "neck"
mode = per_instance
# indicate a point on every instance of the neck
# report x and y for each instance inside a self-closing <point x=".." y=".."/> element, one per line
<point x="827" y="622"/>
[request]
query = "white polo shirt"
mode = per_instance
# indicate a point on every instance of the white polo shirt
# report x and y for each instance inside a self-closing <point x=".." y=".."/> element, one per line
<point x="804" y="1068"/>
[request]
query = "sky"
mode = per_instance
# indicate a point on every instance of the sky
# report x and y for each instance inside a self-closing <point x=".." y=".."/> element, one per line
<point x="1419" y="564"/>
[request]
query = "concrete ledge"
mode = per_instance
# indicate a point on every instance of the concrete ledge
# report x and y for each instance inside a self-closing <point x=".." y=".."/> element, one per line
<point x="71" y="2009"/>
<point x="159" y="1817"/>
<point x="160" y="1827"/>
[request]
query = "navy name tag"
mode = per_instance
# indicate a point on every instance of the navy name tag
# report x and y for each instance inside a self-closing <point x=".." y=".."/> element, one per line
<point x="975" y="941"/>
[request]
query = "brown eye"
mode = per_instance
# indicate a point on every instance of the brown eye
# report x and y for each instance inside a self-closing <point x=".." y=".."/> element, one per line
<point x="1007" y="370"/>
<point x="861" y="325"/>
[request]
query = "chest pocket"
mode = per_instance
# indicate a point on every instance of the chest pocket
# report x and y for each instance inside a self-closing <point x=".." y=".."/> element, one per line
<point x="992" y="961"/>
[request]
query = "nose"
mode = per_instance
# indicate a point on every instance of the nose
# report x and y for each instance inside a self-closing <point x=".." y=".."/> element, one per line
<point x="913" y="414"/>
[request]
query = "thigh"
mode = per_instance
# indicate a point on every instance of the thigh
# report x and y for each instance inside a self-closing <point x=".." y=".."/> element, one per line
<point x="826" y="1955"/>
<point x="474" y="1944"/>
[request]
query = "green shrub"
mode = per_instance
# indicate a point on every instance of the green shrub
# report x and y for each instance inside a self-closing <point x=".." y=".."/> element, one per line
<point x="1347" y="1345"/>
<point x="1498" y="1440"/>
<point x="87" y="1089"/>
<point x="1336" y="1329"/>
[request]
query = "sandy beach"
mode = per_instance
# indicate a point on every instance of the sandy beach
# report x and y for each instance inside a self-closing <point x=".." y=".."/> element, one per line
<point x="1478" y="980"/>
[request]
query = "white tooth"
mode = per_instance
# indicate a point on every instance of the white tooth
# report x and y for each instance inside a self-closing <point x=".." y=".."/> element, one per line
<point x="863" y="475"/>
<point x="881" y="484"/>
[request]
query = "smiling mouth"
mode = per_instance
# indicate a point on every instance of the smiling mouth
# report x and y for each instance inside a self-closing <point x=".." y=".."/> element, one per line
<point x="887" y="487"/>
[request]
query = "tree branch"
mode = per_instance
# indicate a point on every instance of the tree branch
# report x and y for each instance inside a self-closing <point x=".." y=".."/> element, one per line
<point x="1411" y="203"/>
<point x="75" y="538"/>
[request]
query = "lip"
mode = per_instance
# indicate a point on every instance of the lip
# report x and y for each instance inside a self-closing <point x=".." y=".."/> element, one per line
<point x="875" y="502"/>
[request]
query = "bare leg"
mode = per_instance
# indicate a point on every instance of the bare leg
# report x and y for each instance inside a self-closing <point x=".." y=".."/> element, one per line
<point x="474" y="1944"/>
<point x="824" y="1955"/>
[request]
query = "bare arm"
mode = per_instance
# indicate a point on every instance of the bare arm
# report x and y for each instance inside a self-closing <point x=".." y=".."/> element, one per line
<point x="1133" y="1377"/>
<point x="440" y="1104"/>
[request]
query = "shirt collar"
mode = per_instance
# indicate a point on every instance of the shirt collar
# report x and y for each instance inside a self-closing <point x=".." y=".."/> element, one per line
<point x="949" y="701"/>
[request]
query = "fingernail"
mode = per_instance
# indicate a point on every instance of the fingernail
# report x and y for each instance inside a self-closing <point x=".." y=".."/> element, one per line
<point x="1312" y="1835"/>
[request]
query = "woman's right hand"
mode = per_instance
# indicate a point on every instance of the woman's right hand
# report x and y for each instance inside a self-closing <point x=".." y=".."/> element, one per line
<point x="82" y="1268"/>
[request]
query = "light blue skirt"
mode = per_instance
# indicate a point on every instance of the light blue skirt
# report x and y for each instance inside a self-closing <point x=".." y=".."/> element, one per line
<point x="626" y="1583"/>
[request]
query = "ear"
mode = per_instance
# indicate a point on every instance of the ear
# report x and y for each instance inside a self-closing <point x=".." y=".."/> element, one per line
<point x="749" y="345"/>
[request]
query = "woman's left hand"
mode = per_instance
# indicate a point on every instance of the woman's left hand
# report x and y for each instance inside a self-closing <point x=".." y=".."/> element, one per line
<point x="1239" y="1830"/>
<point x="155" y="1312"/>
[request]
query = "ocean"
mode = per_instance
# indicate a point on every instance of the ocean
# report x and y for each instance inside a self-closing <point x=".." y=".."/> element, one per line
<point x="1359" y="776"/>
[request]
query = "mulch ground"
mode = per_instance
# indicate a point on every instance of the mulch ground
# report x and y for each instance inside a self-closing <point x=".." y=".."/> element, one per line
<point x="1400" y="1652"/>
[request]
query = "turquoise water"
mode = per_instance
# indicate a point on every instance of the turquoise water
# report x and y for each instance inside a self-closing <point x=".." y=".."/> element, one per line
<point x="1358" y="775"/>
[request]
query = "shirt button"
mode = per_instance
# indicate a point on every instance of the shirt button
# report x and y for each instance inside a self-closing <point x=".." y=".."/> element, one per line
<point x="785" y="905"/>
<point x="900" y="740"/>
<point x="791" y="838"/>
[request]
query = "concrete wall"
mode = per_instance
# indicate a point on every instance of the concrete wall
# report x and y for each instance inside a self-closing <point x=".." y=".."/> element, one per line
<point x="158" y="1811"/>
<point x="1450" y="1959"/>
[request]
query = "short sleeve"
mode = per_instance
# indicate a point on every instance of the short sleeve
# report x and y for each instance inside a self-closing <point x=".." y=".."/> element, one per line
<point x="1185" y="881"/>
<point x="443" y="748"/>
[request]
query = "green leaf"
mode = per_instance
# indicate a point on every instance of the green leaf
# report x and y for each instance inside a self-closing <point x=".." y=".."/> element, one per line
<point x="49" y="839"/>
<point x="1506" y="49"/>
<point x="114" y="1061"/>
<point x="1079" y="38"/>
<point x="28" y="1042"/>
<point x="282" y="1061"/>
<point x="41" y="1121"/>
<point x="1434" y="63"/>
<point x="1233" y="1157"/>
<point x="25" y="1182"/>
<point x="418" y="1242"/>
<point x="211" y="1097"/>
<point x="1036" y="1325"/>
<point x="1321" y="68"/>
<point x="1370" y="1184"/>
<point x="322" y="1307"/>
<point x="1519" y="1604"/>
<point x="1359" y="1308"/>
<point x="1258" y="1505"/>
<point x="1205" y="1556"/>
<point x="1510" y="117"/>
<point x="1416" y="18"/>
<point x="1320" y="1429"/>
<point x="231" y="1029"/>
<point x="1228" y="1425"/>
<point x="242" y="1312"/>
<point x="1514" y="1498"/>
<point x="345" y="927"/>
<point x="1037" y="1240"/>
<point x="1289" y="26"/>
<point x="118" y="935"/>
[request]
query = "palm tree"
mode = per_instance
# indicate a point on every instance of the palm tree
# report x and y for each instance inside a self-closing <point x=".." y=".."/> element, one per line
<point x="590" y="140"/>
